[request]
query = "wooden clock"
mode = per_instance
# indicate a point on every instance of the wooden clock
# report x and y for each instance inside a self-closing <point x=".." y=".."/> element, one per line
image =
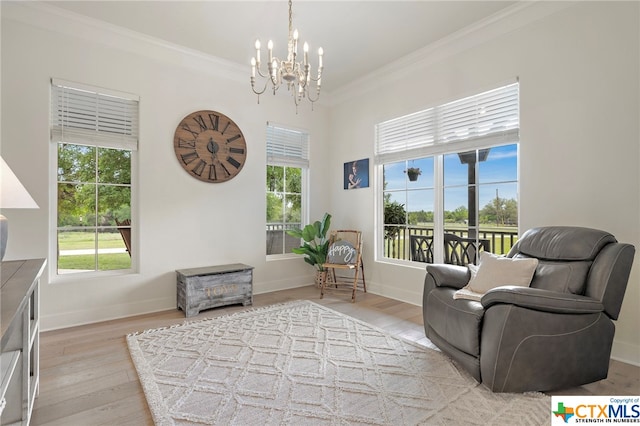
<point x="210" y="146"/>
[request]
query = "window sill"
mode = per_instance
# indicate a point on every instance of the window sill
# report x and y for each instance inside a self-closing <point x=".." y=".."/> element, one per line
<point x="83" y="276"/>
<point x="286" y="256"/>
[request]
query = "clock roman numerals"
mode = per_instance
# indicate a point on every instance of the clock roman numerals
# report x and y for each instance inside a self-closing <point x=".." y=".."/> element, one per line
<point x="198" y="119"/>
<point x="233" y="162"/>
<point x="225" y="169"/>
<point x="186" y="144"/>
<point x="236" y="150"/>
<point x="226" y="126"/>
<point x="233" y="138"/>
<point x="188" y="129"/>
<point x="189" y="157"/>
<point x="214" y="119"/>
<point x="212" y="172"/>
<point x="199" y="168"/>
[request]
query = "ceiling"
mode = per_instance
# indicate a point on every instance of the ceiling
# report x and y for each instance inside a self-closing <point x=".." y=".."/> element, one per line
<point x="357" y="36"/>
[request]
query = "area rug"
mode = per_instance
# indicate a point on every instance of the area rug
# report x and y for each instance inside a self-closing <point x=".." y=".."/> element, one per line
<point x="300" y="363"/>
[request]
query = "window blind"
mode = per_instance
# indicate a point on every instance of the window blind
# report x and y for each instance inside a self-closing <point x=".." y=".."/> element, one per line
<point x="488" y="117"/>
<point x="287" y="147"/>
<point x="87" y="116"/>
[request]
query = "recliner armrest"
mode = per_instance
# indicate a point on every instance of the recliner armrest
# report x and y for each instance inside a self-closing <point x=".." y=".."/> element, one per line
<point x="541" y="300"/>
<point x="445" y="275"/>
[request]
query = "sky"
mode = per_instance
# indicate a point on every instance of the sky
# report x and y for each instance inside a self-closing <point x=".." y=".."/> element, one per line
<point x="498" y="172"/>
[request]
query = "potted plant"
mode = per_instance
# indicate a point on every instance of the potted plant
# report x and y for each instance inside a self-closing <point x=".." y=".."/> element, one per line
<point x="316" y="243"/>
<point x="413" y="173"/>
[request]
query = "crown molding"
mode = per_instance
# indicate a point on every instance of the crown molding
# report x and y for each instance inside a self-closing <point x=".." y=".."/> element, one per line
<point x="39" y="14"/>
<point x="42" y="15"/>
<point x="509" y="19"/>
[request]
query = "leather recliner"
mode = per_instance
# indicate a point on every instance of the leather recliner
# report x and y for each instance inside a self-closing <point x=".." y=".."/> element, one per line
<point x="557" y="333"/>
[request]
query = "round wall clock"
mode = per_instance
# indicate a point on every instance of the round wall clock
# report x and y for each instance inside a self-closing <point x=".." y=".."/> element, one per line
<point x="210" y="146"/>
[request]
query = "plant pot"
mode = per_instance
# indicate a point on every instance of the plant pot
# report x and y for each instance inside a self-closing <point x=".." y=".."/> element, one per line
<point x="319" y="278"/>
<point x="413" y="176"/>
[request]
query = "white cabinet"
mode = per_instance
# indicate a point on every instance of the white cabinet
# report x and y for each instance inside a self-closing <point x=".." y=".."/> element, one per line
<point x="20" y="344"/>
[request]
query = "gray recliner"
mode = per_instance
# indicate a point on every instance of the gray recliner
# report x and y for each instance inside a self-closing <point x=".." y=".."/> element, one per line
<point x="555" y="334"/>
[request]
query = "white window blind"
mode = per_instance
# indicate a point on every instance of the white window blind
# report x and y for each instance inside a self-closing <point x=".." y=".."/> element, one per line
<point x="490" y="117"/>
<point x="287" y="147"/>
<point x="91" y="116"/>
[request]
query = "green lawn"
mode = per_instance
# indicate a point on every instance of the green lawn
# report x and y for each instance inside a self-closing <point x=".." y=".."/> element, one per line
<point x="72" y="240"/>
<point x="107" y="262"/>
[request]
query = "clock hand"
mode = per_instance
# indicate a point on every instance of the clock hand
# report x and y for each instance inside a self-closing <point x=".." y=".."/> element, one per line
<point x="213" y="148"/>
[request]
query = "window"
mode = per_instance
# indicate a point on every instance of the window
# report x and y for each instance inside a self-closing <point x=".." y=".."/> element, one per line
<point x="96" y="136"/>
<point x="450" y="180"/>
<point x="287" y="168"/>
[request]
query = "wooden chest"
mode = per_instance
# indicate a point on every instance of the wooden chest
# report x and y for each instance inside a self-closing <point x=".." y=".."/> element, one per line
<point x="213" y="286"/>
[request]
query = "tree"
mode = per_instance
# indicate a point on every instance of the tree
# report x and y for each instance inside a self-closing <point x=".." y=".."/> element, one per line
<point x="500" y="211"/>
<point x="87" y="174"/>
<point x="394" y="214"/>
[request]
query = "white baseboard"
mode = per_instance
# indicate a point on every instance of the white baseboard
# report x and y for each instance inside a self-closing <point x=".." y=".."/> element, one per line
<point x="105" y="313"/>
<point x="626" y="352"/>
<point x="282" y="284"/>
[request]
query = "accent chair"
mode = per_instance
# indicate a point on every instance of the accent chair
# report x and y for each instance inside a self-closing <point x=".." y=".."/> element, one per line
<point x="554" y="330"/>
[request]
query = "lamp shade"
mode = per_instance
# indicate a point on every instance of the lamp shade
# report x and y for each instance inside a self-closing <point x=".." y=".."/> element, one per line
<point x="13" y="195"/>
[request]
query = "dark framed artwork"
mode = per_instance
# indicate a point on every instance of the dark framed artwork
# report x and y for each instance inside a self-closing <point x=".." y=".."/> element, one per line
<point x="356" y="174"/>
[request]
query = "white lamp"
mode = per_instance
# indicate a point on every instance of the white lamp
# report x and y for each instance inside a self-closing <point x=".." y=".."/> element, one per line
<point x="13" y="195"/>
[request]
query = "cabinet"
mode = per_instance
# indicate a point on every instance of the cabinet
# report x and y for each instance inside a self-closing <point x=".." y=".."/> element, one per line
<point x="20" y="344"/>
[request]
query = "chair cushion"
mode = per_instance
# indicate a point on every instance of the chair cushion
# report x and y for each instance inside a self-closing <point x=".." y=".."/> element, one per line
<point x="457" y="321"/>
<point x="565" y="277"/>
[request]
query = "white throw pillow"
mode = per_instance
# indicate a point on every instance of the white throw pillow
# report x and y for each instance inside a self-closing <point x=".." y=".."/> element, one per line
<point x="496" y="271"/>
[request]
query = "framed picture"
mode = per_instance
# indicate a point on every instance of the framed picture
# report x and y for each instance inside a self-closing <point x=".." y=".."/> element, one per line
<point x="356" y="174"/>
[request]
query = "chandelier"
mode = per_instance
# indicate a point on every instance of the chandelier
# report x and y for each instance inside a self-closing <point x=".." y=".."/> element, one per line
<point x="296" y="75"/>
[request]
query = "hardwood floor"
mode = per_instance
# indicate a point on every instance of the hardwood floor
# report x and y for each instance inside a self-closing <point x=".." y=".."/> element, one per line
<point x="87" y="377"/>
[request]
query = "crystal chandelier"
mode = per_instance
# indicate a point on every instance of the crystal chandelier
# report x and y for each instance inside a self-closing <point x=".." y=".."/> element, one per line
<point x="296" y="75"/>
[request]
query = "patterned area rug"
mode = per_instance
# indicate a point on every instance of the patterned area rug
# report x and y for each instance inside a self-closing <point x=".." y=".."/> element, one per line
<point x="300" y="363"/>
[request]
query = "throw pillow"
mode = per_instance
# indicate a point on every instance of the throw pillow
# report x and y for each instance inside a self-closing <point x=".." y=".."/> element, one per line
<point x="496" y="271"/>
<point x="341" y="253"/>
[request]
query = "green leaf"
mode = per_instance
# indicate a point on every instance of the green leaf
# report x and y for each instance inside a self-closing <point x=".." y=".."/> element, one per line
<point x="309" y="233"/>
<point x="297" y="233"/>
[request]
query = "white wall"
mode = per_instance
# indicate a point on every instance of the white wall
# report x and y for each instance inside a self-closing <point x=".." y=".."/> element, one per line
<point x="181" y="222"/>
<point x="580" y="158"/>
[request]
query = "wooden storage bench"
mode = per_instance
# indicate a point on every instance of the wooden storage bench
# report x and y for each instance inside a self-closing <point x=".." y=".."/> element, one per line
<point x="213" y="286"/>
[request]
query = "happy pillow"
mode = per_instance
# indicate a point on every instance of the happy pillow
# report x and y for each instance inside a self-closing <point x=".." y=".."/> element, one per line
<point x="341" y="253"/>
<point x="496" y="271"/>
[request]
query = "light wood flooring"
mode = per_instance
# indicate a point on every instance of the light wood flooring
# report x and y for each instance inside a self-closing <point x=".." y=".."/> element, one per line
<point x="87" y="377"/>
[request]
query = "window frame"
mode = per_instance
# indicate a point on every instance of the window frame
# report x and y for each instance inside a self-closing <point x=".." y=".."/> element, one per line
<point x="281" y="157"/>
<point x="121" y="141"/>
<point x="426" y="140"/>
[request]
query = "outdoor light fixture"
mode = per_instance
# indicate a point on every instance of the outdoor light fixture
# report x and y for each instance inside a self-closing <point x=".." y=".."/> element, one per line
<point x="296" y="75"/>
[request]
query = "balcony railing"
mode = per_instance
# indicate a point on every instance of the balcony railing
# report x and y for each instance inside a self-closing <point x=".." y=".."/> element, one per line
<point x="460" y="250"/>
<point x="278" y="241"/>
